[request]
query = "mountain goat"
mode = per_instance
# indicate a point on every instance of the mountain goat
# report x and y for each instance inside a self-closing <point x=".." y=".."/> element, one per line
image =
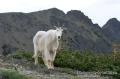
<point x="46" y="44"/>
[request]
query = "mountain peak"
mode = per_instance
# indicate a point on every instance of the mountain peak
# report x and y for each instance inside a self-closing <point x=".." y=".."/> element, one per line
<point x="112" y="29"/>
<point x="77" y="15"/>
<point x="55" y="11"/>
<point x="51" y="12"/>
<point x="74" y="12"/>
<point x="113" y="22"/>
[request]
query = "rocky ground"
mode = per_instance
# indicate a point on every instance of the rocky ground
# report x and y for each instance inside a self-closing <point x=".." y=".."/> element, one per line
<point x="28" y="68"/>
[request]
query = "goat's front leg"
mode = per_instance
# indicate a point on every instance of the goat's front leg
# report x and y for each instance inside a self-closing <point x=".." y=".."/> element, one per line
<point x="47" y="59"/>
<point x="53" y="55"/>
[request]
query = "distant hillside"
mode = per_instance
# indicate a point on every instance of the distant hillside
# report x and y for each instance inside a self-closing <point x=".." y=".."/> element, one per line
<point x="112" y="30"/>
<point x="17" y="30"/>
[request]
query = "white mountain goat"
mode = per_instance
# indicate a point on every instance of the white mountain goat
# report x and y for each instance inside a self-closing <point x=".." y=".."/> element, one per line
<point x="46" y="44"/>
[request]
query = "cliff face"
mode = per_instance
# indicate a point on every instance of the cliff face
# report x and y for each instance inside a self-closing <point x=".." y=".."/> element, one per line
<point x="17" y="30"/>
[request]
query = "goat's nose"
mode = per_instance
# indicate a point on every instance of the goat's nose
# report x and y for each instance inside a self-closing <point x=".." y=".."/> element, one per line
<point x="59" y="37"/>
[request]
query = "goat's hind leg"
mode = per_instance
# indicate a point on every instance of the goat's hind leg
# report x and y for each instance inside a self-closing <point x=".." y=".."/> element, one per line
<point x="35" y="56"/>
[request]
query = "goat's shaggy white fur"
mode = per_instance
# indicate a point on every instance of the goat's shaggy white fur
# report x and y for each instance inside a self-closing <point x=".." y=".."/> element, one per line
<point x="46" y="44"/>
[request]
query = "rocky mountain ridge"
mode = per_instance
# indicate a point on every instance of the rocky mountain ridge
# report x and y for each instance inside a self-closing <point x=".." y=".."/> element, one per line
<point x="17" y="30"/>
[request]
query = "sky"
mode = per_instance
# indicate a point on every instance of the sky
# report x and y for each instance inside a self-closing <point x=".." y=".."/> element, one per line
<point x="99" y="11"/>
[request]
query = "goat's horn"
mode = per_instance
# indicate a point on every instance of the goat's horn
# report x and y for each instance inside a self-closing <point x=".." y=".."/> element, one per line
<point x="55" y="26"/>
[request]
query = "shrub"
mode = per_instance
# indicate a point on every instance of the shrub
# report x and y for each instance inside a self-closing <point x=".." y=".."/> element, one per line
<point x="10" y="74"/>
<point x="87" y="61"/>
<point x="22" y="54"/>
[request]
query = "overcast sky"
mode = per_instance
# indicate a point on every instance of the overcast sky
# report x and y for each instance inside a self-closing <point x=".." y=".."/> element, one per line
<point x="99" y="11"/>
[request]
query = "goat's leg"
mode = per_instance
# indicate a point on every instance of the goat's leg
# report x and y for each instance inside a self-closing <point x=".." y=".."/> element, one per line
<point x="36" y="60"/>
<point x="47" y="59"/>
<point x="35" y="56"/>
<point x="53" y="55"/>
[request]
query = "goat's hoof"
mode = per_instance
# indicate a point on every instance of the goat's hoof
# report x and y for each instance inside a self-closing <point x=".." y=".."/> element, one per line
<point x="35" y="64"/>
<point x="50" y="67"/>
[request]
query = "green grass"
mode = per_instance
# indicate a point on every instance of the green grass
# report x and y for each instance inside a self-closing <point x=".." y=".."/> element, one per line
<point x="20" y="54"/>
<point x="83" y="61"/>
<point x="11" y="74"/>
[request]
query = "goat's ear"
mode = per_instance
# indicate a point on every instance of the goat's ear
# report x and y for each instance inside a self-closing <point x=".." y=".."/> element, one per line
<point x="64" y="28"/>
